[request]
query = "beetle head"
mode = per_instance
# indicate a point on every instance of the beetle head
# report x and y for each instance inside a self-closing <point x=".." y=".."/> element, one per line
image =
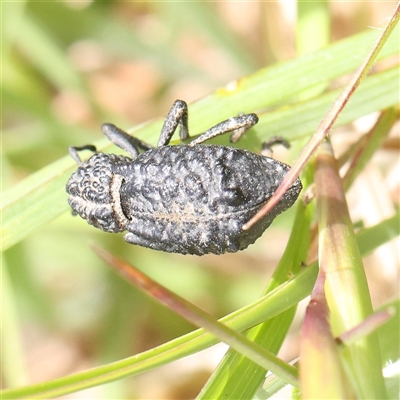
<point x="89" y="190"/>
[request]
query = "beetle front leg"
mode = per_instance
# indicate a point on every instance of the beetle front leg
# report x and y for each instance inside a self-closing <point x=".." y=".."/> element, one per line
<point x="178" y="115"/>
<point x="125" y="141"/>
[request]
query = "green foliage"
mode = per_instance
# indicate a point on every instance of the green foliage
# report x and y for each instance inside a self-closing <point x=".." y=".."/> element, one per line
<point x="52" y="93"/>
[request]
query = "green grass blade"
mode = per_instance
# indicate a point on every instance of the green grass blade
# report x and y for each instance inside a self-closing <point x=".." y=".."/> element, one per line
<point x="377" y="92"/>
<point x="370" y="238"/>
<point x="346" y="286"/>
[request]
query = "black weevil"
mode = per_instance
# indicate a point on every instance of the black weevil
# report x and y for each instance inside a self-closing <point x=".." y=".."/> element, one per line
<point x="188" y="199"/>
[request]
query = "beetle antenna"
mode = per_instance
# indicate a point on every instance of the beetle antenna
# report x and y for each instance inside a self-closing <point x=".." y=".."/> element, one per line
<point x="73" y="151"/>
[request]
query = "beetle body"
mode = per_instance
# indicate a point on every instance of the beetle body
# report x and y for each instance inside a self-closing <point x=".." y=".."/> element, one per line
<point x="188" y="199"/>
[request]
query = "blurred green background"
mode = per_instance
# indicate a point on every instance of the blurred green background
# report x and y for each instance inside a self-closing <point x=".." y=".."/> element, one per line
<point x="67" y="67"/>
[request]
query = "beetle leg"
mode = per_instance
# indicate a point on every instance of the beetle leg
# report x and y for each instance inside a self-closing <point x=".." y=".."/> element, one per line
<point x="237" y="125"/>
<point x="73" y="151"/>
<point x="275" y="140"/>
<point x="125" y="141"/>
<point x="178" y="115"/>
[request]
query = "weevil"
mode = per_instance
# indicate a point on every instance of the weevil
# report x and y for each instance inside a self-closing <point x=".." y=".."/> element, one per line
<point x="191" y="198"/>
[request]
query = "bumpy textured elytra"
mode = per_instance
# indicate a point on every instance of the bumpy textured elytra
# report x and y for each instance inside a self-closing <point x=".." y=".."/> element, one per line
<point x="188" y="199"/>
